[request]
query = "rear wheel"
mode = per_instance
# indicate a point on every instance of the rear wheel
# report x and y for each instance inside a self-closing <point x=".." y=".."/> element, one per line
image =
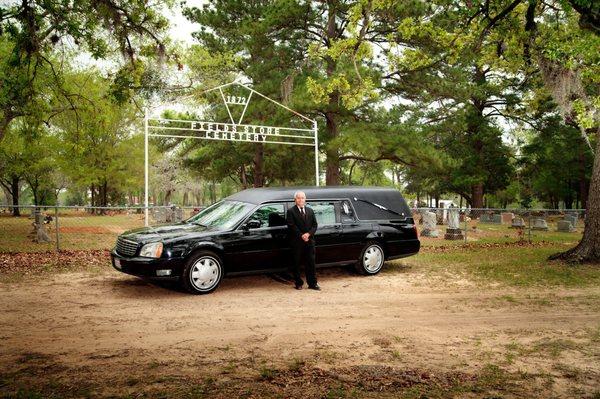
<point x="371" y="259"/>
<point x="202" y="273"/>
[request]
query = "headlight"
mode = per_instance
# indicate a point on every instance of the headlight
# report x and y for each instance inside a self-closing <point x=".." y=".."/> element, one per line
<point x="152" y="250"/>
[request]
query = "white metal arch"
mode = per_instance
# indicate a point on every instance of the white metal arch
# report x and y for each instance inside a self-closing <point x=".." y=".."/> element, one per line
<point x="234" y="131"/>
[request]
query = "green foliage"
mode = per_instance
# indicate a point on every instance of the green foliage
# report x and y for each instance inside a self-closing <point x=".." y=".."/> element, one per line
<point x="423" y="95"/>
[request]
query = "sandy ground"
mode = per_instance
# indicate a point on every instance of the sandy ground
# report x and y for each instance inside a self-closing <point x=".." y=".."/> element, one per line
<point x="115" y="334"/>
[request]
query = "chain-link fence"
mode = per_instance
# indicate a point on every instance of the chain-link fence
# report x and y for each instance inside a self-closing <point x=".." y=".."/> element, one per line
<point x="78" y="227"/>
<point x="46" y="228"/>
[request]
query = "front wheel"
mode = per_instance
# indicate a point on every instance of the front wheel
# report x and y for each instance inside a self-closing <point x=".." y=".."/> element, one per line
<point x="202" y="273"/>
<point x="371" y="259"/>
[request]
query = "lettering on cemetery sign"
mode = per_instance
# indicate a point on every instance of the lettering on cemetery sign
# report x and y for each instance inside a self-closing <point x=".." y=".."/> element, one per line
<point x="230" y="132"/>
<point x="303" y="134"/>
<point x="236" y="100"/>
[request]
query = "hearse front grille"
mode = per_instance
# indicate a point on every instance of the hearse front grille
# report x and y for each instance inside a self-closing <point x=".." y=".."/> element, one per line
<point x="126" y="247"/>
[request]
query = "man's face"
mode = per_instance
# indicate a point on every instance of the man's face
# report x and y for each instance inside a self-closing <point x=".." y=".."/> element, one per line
<point x="300" y="199"/>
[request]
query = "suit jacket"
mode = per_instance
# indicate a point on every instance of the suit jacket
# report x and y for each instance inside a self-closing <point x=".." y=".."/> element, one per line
<point x="297" y="226"/>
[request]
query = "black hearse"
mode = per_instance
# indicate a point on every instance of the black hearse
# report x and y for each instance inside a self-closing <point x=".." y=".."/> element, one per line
<point x="247" y="233"/>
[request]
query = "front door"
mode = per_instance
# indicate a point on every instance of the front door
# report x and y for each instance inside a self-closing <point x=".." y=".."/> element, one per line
<point x="260" y="243"/>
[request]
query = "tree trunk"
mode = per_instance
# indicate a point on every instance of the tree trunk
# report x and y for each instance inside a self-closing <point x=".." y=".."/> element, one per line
<point x="477" y="199"/>
<point x="93" y="199"/>
<point x="14" y="188"/>
<point x="259" y="154"/>
<point x="105" y="193"/>
<point x="4" y="122"/>
<point x="243" y="178"/>
<point x="588" y="249"/>
<point x="477" y="195"/>
<point x="583" y="184"/>
<point x="332" y="162"/>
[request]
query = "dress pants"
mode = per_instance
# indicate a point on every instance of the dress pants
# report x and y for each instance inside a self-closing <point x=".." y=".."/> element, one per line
<point x="304" y="252"/>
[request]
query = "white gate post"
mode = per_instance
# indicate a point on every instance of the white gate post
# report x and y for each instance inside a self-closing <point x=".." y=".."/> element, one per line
<point x="146" y="167"/>
<point x="316" y="133"/>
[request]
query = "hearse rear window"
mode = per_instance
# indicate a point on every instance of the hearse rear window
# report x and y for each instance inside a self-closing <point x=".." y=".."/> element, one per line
<point x="324" y="212"/>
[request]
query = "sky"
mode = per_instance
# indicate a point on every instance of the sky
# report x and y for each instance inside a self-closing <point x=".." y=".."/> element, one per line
<point x="181" y="28"/>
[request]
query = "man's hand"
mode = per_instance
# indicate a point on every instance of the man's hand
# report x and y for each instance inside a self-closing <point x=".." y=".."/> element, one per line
<point x="305" y="237"/>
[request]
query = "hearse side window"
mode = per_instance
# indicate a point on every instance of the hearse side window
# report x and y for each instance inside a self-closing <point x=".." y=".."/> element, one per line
<point x="346" y="212"/>
<point x="270" y="215"/>
<point x="324" y="212"/>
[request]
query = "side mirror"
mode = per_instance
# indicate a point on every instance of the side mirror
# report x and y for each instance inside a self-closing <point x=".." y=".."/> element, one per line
<point x="252" y="224"/>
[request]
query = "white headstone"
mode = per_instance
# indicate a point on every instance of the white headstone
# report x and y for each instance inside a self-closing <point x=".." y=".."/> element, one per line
<point x="565" y="226"/>
<point x="518" y="222"/>
<point x="429" y="225"/>
<point x="453" y="232"/>
<point x="539" y="224"/>
<point x="453" y="219"/>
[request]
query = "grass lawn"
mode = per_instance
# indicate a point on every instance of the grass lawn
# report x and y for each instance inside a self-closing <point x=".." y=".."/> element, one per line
<point x="77" y="231"/>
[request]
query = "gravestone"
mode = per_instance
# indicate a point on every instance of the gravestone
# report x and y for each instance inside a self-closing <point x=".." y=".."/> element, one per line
<point x="159" y="215"/>
<point x="177" y="214"/>
<point x="506" y="217"/>
<point x="572" y="218"/>
<point x="429" y="225"/>
<point x="485" y="218"/>
<point x="565" y="226"/>
<point x="539" y="224"/>
<point x="173" y="214"/>
<point x="453" y="231"/>
<point x="496" y="219"/>
<point x="517" y="223"/>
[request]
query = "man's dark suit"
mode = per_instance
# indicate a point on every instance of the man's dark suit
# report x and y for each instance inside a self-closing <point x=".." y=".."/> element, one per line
<point x="298" y="225"/>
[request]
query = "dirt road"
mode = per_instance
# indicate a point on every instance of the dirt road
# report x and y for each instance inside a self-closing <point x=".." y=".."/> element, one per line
<point x="94" y="326"/>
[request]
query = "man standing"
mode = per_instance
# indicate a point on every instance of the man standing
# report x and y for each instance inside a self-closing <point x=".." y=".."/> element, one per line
<point x="302" y="225"/>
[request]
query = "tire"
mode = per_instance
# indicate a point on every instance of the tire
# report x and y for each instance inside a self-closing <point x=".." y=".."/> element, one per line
<point x="202" y="273"/>
<point x="371" y="259"/>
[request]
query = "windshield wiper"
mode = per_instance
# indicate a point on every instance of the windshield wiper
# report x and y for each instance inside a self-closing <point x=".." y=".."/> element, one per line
<point x="199" y="224"/>
<point x="380" y="207"/>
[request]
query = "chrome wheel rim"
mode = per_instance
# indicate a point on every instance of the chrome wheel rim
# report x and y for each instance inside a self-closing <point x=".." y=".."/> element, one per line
<point x="373" y="259"/>
<point x="205" y="273"/>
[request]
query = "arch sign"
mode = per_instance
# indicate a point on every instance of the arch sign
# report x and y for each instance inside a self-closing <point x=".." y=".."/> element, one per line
<point x="236" y="98"/>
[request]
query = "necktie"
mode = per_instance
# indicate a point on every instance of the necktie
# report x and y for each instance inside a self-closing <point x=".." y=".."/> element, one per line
<point x="303" y="213"/>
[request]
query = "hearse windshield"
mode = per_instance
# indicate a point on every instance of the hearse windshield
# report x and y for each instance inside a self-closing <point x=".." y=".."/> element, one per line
<point x="223" y="214"/>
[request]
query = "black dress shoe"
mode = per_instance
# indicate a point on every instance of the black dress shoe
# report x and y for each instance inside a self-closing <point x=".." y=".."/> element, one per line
<point x="298" y="286"/>
<point x="314" y="287"/>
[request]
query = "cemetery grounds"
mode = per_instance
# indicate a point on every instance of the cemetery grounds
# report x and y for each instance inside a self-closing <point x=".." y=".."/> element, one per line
<point x="487" y="318"/>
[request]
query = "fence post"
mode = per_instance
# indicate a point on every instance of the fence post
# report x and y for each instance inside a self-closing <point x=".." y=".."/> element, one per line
<point x="466" y="225"/>
<point x="56" y="226"/>
<point x="529" y="218"/>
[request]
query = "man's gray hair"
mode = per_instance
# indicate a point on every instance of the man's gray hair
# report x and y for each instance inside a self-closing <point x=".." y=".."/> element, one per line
<point x="298" y="192"/>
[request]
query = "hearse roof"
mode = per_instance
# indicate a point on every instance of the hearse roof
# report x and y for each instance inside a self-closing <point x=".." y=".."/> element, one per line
<point x="366" y="200"/>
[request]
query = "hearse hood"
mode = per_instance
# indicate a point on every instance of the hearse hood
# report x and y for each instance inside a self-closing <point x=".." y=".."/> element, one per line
<point x="166" y="232"/>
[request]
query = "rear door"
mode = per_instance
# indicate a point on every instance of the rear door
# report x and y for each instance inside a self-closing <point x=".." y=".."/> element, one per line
<point x="354" y="231"/>
<point x="327" y="237"/>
